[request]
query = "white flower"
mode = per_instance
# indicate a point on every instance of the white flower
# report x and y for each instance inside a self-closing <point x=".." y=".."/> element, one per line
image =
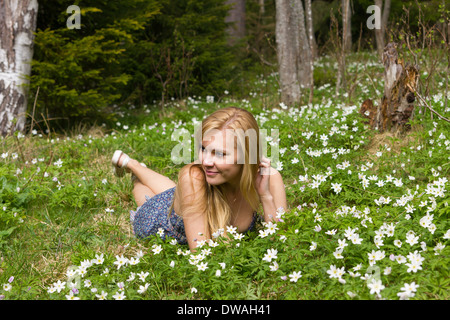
<point x="58" y="163"/>
<point x="375" y="286"/>
<point x="59" y="286"/>
<point x="231" y="229"/>
<point x="338" y="254"/>
<point x="408" y="290"/>
<point x="157" y="249"/>
<point x="131" y="277"/>
<point x="7" y="287"/>
<point x="271" y="254"/>
<point x="143" y="288"/>
<point x="414" y="267"/>
<point x="101" y="296"/>
<point x="120" y="261"/>
<point x="271" y="227"/>
<point x="263" y="233"/>
<point x="119" y="295"/>
<point x="274" y="266"/>
<point x="333" y="271"/>
<point x="202" y="266"/>
<point x="142" y="275"/>
<point x="70" y="296"/>
<point x="342" y="243"/>
<point x="438" y="248"/>
<point x="411" y="239"/>
<point x="98" y="259"/>
<point x="336" y="187"/>
<point x="295" y="276"/>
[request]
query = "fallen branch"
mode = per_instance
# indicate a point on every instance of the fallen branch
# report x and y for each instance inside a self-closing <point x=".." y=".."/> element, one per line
<point x="426" y="104"/>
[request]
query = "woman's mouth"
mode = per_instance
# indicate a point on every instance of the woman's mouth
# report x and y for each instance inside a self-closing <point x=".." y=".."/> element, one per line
<point x="210" y="173"/>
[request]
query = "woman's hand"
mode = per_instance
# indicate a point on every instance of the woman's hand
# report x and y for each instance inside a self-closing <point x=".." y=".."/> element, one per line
<point x="263" y="178"/>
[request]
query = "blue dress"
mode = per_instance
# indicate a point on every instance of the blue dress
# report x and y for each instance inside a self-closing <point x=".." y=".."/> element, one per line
<point x="153" y="214"/>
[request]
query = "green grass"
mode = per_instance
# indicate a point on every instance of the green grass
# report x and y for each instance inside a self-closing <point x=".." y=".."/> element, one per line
<point x="62" y="220"/>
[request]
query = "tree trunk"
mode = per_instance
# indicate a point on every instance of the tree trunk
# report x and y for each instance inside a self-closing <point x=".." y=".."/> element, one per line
<point x="397" y="104"/>
<point x="236" y="16"/>
<point x="293" y="51"/>
<point x="310" y="28"/>
<point x="286" y="54"/>
<point x="304" y="50"/>
<point x="380" y="33"/>
<point x="17" y="27"/>
<point x="262" y="8"/>
<point x="346" y="23"/>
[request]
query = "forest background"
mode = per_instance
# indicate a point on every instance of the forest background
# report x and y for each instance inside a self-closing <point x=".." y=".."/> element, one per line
<point x="135" y="53"/>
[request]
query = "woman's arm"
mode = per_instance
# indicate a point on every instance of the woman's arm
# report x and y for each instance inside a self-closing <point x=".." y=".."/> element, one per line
<point x="271" y="190"/>
<point x="192" y="206"/>
<point x="276" y="198"/>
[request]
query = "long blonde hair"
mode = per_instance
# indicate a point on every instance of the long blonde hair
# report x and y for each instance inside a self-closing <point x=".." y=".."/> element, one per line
<point x="211" y="199"/>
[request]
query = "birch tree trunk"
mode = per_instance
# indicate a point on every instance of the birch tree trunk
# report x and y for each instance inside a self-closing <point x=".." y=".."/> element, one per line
<point x="304" y="51"/>
<point x="17" y="25"/>
<point x="310" y="28"/>
<point x="262" y="8"/>
<point x="293" y="50"/>
<point x="380" y="33"/>
<point x="236" y="16"/>
<point x="346" y="23"/>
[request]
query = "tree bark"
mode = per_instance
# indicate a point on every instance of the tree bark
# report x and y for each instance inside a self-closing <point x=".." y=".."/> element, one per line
<point x="304" y="50"/>
<point x="380" y="33"/>
<point x="310" y="28"/>
<point x="286" y="54"/>
<point x="293" y="50"/>
<point x="397" y="104"/>
<point x="236" y="16"/>
<point x="262" y="8"/>
<point x="17" y="27"/>
<point x="346" y="23"/>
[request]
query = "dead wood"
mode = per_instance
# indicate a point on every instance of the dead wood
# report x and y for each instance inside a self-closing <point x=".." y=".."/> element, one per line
<point x="397" y="105"/>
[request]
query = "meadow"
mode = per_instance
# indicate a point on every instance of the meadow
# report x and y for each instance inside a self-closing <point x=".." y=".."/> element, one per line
<point x="368" y="215"/>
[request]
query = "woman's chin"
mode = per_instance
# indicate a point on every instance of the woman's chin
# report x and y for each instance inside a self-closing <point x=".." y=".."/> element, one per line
<point x="214" y="181"/>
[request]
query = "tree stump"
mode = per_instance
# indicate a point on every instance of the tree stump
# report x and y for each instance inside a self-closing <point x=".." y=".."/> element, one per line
<point x="397" y="104"/>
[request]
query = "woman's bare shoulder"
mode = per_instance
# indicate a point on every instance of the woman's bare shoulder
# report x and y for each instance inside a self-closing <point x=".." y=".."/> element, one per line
<point x="191" y="177"/>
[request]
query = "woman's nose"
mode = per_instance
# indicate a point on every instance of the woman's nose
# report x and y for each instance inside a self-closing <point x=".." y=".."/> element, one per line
<point x="207" y="159"/>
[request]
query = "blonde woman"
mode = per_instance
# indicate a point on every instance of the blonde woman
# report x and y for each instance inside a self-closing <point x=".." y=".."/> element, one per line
<point x="223" y="188"/>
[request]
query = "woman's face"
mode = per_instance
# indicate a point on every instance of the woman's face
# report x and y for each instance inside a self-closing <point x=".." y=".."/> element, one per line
<point x="218" y="156"/>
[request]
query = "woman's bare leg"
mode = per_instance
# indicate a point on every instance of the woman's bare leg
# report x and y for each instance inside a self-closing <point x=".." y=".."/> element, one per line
<point x="140" y="191"/>
<point x="155" y="182"/>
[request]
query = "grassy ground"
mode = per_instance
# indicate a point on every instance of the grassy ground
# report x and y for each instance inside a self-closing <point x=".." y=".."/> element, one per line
<point x="368" y="216"/>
